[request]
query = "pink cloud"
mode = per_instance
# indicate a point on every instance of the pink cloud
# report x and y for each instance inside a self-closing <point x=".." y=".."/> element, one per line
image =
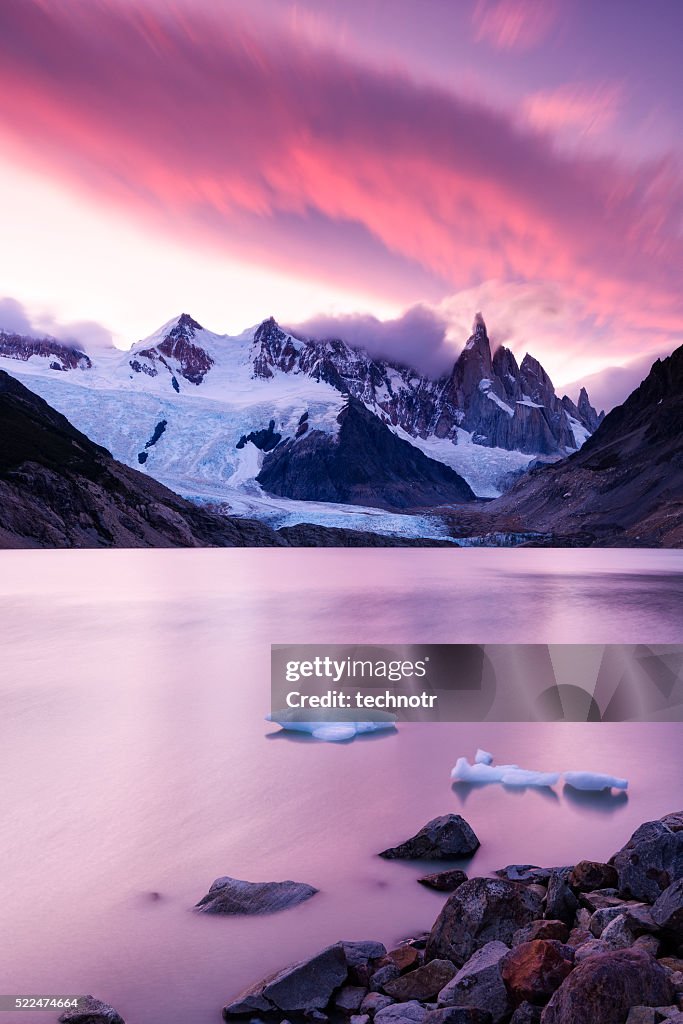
<point x="514" y="24"/>
<point x="587" y="109"/>
<point x="275" y="149"/>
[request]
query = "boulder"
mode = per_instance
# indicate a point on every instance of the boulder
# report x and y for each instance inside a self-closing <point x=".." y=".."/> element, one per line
<point x="643" y="1015"/>
<point x="481" y="911"/>
<point x="404" y="957"/>
<point x="561" y="904"/>
<point x="479" y="984"/>
<point x="604" y="987"/>
<point x="667" y="911"/>
<point x="623" y="930"/>
<point x="375" y="1001"/>
<point x="301" y="988"/>
<point x="532" y="971"/>
<point x="444" y="881"/>
<point x="458" y="1015"/>
<point x="350" y="997"/>
<point x="652" y="859"/>
<point x="383" y="976"/>
<point x="541" y="930"/>
<point x="443" y="838"/>
<point x="360" y="953"/>
<point x="527" y="1014"/>
<point x="588" y="875"/>
<point x="590" y="948"/>
<point x="233" y="896"/>
<point x="91" y="1011"/>
<point x="402" y="1013"/>
<point x="423" y="983"/>
<point x="528" y="874"/>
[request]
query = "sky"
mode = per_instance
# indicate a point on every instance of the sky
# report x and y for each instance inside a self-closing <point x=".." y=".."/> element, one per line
<point x="379" y="169"/>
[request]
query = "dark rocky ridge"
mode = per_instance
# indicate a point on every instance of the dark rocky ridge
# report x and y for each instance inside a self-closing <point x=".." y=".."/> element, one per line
<point x="62" y="356"/>
<point x="365" y="463"/>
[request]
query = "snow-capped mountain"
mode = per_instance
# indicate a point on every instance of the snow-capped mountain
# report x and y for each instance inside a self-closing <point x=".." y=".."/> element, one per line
<point x="239" y="419"/>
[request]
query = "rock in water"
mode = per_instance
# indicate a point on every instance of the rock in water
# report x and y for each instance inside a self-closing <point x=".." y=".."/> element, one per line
<point x="480" y="911"/>
<point x="652" y="858"/>
<point x="233" y="896"/>
<point x="604" y="987"/>
<point x="302" y="988"/>
<point x="444" y="881"/>
<point x="443" y="838"/>
<point x="92" y="1011"/>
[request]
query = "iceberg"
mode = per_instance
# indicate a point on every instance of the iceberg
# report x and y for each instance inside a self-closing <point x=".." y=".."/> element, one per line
<point x="593" y="781"/>
<point x="331" y="732"/>
<point x="526" y="777"/>
<point x="466" y="772"/>
<point x="483" y="757"/>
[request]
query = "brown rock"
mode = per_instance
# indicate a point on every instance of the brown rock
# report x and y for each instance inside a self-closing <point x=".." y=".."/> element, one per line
<point x="604" y="987"/>
<point x="533" y="970"/>
<point x="444" y="881"/>
<point x="404" y="957"/>
<point x="541" y="930"/>
<point x="588" y="875"/>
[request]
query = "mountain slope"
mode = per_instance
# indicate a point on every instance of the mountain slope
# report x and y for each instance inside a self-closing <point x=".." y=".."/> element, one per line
<point x="364" y="463"/>
<point x="625" y="485"/>
<point x="58" y="489"/>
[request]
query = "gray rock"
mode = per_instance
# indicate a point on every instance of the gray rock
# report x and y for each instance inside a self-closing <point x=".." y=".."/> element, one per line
<point x="233" y="896"/>
<point x="375" y="1001"/>
<point x="480" y="911"/>
<point x="547" y="929"/>
<point x="350" y="997"/>
<point x="590" y="948"/>
<point x="301" y="988"/>
<point x="526" y="873"/>
<point x="479" y="984"/>
<point x="359" y="1018"/>
<point x="360" y="953"/>
<point x="604" y="987"/>
<point x="458" y="1015"/>
<point x="92" y="1011"/>
<point x="652" y="860"/>
<point x="402" y="1013"/>
<point x="561" y="903"/>
<point x="383" y="976"/>
<point x="443" y="838"/>
<point x="423" y="983"/>
<point x="667" y="911"/>
<point x="642" y="1015"/>
<point x="527" y="1014"/>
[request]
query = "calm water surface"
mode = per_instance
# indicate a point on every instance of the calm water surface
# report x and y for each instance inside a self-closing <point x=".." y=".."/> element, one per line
<point x="134" y="759"/>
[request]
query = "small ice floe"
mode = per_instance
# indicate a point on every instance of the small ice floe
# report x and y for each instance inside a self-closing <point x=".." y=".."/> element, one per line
<point x="466" y="772"/>
<point x="526" y="777"/>
<point x="483" y="757"/>
<point x="593" y="782"/>
<point x="331" y="732"/>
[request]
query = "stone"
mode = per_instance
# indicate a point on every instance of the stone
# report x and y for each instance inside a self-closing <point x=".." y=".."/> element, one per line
<point x="561" y="904"/>
<point x="91" y="1011"/>
<point x="303" y="987"/>
<point x="443" y="838"/>
<point x="458" y="1015"/>
<point x="527" y="1014"/>
<point x="667" y="911"/>
<point x="533" y="970"/>
<point x="642" y="1015"/>
<point x="350" y="997"/>
<point x="601" y="918"/>
<point x="481" y="911"/>
<point x="402" y="1013"/>
<point x="404" y="957"/>
<point x="375" y="1001"/>
<point x="444" y="881"/>
<point x="233" y="896"/>
<point x="384" y="975"/>
<point x="590" y="948"/>
<point x="541" y="930"/>
<point x="423" y="983"/>
<point x="604" y="987"/>
<point x="479" y="984"/>
<point x="598" y="900"/>
<point x="359" y="1018"/>
<point x="652" y="859"/>
<point x="588" y="875"/>
<point x="527" y="874"/>
<point x="360" y="953"/>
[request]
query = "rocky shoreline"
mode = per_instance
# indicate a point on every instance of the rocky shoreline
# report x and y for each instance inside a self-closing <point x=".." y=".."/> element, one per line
<point x="588" y="943"/>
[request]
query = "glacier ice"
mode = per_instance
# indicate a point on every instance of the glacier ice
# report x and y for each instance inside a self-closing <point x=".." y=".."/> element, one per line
<point x="483" y="757"/>
<point x="331" y="732"/>
<point x="466" y="772"/>
<point x="593" y="781"/>
<point x="526" y="777"/>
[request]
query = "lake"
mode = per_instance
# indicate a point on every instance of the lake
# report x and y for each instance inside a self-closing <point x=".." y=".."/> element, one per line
<point x="136" y="766"/>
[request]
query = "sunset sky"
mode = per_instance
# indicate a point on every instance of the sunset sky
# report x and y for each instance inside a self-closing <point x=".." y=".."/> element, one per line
<point x="342" y="161"/>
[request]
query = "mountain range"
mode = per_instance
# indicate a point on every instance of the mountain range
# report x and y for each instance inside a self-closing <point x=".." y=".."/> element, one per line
<point x="289" y="430"/>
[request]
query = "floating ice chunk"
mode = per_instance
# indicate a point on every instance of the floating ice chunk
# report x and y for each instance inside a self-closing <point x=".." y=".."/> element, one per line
<point x="593" y="781"/>
<point x="331" y="732"/>
<point x="525" y="777"/>
<point x="466" y="772"/>
<point x="483" y="757"/>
